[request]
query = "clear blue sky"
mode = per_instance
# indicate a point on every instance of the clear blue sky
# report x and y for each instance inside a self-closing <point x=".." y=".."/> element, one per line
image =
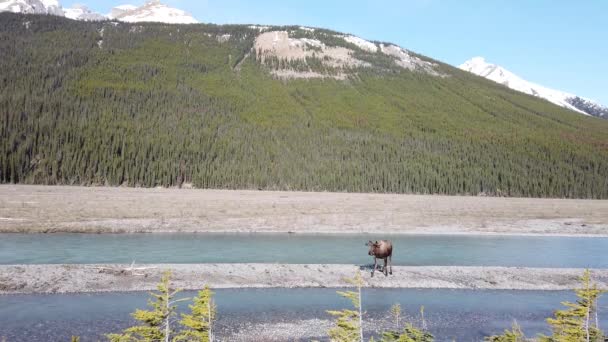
<point x="562" y="44"/>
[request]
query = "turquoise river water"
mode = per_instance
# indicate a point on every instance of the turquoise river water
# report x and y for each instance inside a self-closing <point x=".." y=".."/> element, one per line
<point x="414" y="250"/>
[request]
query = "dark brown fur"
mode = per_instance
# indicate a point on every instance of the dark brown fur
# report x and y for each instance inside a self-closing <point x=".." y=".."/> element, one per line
<point x="382" y="249"/>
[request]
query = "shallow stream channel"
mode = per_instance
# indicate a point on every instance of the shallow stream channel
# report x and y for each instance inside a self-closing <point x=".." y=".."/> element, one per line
<point x="289" y="314"/>
<point x="410" y="250"/>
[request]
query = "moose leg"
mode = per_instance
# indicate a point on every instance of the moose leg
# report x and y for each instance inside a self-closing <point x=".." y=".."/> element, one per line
<point x="385" y="267"/>
<point x="390" y="262"/>
<point x="373" y="269"/>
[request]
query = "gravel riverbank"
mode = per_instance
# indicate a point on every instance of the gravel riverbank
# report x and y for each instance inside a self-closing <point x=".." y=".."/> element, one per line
<point x="49" y="209"/>
<point x="27" y="279"/>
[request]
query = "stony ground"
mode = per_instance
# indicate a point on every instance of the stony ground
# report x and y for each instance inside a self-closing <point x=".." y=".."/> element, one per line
<point x="103" y="210"/>
<point x="106" y="278"/>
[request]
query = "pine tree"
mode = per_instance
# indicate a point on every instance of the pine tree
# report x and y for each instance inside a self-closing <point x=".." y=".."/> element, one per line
<point x="199" y="324"/>
<point x="410" y="332"/>
<point x="156" y="323"/>
<point x="577" y="322"/>
<point x="396" y="314"/>
<point x="513" y="335"/>
<point x="349" y="323"/>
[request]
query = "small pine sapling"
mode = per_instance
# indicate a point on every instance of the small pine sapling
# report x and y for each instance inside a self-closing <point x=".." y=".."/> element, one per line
<point x="410" y="333"/>
<point x="156" y="323"/>
<point x="576" y="323"/>
<point x="513" y="335"/>
<point x="349" y="323"/>
<point x="198" y="326"/>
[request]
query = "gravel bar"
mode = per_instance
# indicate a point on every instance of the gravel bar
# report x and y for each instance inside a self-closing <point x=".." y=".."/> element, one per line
<point x="29" y="279"/>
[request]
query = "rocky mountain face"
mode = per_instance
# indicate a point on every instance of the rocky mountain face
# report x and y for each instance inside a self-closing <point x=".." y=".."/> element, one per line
<point x="589" y="107"/>
<point x="304" y="52"/>
<point x="496" y="73"/>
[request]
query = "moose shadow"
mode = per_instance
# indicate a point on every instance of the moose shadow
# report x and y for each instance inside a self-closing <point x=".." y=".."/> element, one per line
<point x="370" y="267"/>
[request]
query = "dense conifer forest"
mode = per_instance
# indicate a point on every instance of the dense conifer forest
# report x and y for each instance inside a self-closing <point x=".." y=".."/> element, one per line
<point x="107" y="103"/>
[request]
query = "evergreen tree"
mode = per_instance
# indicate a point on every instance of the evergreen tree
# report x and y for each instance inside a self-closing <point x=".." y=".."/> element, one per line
<point x="410" y="333"/>
<point x="513" y="335"/>
<point x="349" y="323"/>
<point x="156" y="323"/>
<point x="396" y="315"/>
<point x="579" y="321"/>
<point x="199" y="324"/>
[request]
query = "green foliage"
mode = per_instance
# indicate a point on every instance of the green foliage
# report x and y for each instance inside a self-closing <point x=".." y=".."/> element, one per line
<point x="577" y="323"/>
<point x="198" y="325"/>
<point x="396" y="315"/>
<point x="101" y="103"/>
<point x="349" y="323"/>
<point x="75" y="338"/>
<point x="155" y="322"/>
<point x="513" y="335"/>
<point x="410" y="333"/>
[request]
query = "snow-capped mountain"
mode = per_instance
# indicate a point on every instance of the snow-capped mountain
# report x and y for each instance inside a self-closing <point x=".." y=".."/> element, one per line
<point x="496" y="73"/>
<point x="81" y="12"/>
<point x="31" y="7"/>
<point x="121" y="10"/>
<point x="151" y="11"/>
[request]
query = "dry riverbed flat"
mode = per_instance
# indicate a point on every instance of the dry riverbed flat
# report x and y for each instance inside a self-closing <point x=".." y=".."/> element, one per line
<point x="107" y="278"/>
<point x="48" y="209"/>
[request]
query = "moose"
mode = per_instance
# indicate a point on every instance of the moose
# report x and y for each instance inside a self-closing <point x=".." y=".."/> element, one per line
<point x="382" y="249"/>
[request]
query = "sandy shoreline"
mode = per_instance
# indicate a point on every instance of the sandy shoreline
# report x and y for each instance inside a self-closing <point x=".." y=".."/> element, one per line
<point x="29" y="279"/>
<point x="50" y="209"/>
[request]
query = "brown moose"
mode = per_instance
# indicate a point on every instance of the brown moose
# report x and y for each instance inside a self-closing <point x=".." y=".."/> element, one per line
<point x="382" y="249"/>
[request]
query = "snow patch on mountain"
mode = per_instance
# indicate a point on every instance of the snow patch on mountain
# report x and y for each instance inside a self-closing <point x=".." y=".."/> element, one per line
<point x="52" y="7"/>
<point x="152" y="11"/>
<point x="259" y="27"/>
<point x="407" y="61"/>
<point x="498" y="74"/>
<point x="361" y="43"/>
<point x="121" y="10"/>
<point x="81" y="12"/>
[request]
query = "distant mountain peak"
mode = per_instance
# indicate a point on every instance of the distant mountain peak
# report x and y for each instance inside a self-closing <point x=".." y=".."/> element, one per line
<point x="152" y="10"/>
<point x="479" y="66"/>
<point x="31" y="7"/>
<point x="82" y="12"/>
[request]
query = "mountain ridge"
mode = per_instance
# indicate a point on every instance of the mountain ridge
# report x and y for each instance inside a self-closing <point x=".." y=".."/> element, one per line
<point x="150" y="11"/>
<point x="498" y="74"/>
<point x="155" y="11"/>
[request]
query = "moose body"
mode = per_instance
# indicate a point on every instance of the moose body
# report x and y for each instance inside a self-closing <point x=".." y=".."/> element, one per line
<point x="382" y="249"/>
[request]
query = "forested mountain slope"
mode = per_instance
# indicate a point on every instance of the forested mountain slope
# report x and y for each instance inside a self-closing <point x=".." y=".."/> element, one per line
<point x="273" y="108"/>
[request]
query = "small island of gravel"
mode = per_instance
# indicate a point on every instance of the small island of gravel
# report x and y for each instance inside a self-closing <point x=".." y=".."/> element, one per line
<point x="29" y="279"/>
